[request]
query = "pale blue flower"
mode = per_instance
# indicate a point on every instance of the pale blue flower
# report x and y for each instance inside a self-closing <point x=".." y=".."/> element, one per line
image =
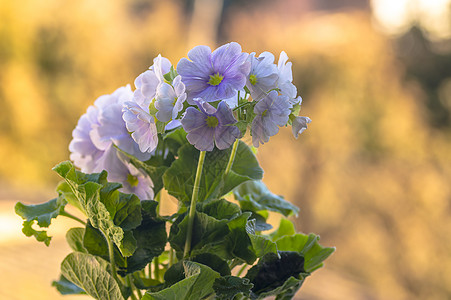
<point x="169" y="99"/>
<point x="146" y="83"/>
<point x="133" y="180"/>
<point x="210" y="126"/>
<point x="263" y="75"/>
<point x="299" y="124"/>
<point x="214" y="76"/>
<point x="84" y="153"/>
<point x="111" y="128"/>
<point x="142" y="126"/>
<point x="286" y="78"/>
<point x="271" y="112"/>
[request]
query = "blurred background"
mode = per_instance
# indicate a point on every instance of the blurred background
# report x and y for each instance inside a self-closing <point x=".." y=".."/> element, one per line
<point x="371" y="174"/>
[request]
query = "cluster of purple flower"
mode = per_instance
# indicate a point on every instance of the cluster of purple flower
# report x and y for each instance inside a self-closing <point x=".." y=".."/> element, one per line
<point x="201" y="94"/>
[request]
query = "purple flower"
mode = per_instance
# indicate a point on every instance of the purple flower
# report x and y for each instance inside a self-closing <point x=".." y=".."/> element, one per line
<point x="286" y="78"/>
<point x="263" y="75"/>
<point x="84" y="153"/>
<point x="98" y="129"/>
<point x="169" y="99"/>
<point x="299" y="124"/>
<point x="271" y="112"/>
<point x="214" y="76"/>
<point x="142" y="126"/>
<point x="111" y="128"/>
<point x="147" y="82"/>
<point x="132" y="179"/>
<point x="210" y="126"/>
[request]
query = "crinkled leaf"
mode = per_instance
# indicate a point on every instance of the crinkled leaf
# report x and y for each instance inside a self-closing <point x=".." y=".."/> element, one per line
<point x="273" y="269"/>
<point x="208" y="234"/>
<point x="286" y="228"/>
<point x="308" y="246"/>
<point x="227" y="287"/>
<point x="219" y="209"/>
<point x="91" y="274"/>
<point x="150" y="236"/>
<point x="74" y="238"/>
<point x="179" y="178"/>
<point x="198" y="284"/>
<point x="65" y="191"/>
<point x="255" y="196"/>
<point x="66" y="287"/>
<point x="93" y="192"/>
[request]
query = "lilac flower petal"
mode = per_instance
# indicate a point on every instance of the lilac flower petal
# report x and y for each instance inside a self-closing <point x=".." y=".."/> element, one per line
<point x="225" y="136"/>
<point x="202" y="138"/>
<point x="299" y="124"/>
<point x="258" y="132"/>
<point x="142" y="126"/>
<point x="225" y="114"/>
<point x="193" y="119"/>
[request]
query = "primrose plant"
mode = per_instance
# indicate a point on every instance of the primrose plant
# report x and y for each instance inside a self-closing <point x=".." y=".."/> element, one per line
<point x="179" y="134"/>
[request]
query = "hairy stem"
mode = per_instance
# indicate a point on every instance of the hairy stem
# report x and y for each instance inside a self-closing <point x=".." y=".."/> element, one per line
<point x="192" y="209"/>
<point x="111" y="256"/>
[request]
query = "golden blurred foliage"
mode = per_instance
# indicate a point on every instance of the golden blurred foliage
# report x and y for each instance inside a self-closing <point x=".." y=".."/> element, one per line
<point x="370" y="175"/>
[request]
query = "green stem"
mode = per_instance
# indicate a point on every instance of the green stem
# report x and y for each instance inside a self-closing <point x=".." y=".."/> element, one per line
<point x="71" y="216"/>
<point x="156" y="265"/>
<point x="130" y="284"/>
<point x="111" y="256"/>
<point x="192" y="209"/>
<point x="231" y="158"/>
<point x="171" y="257"/>
<point x="241" y="270"/>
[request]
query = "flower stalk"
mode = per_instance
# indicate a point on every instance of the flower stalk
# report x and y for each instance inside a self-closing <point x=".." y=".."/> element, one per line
<point x="192" y="209"/>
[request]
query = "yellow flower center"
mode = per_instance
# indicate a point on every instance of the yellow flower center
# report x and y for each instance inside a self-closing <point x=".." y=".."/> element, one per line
<point x="212" y="121"/>
<point x="132" y="180"/>
<point x="253" y="79"/>
<point x="264" y="112"/>
<point x="215" y="79"/>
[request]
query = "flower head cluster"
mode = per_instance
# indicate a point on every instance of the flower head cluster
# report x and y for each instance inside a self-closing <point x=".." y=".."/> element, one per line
<point x="99" y="134"/>
<point x="214" y="95"/>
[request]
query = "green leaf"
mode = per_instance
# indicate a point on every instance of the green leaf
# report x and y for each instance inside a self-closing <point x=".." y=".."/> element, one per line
<point x="219" y="209"/>
<point x="74" y="238"/>
<point x="91" y="274"/>
<point x="286" y="228"/>
<point x="287" y="291"/>
<point x="65" y="287"/>
<point x="308" y="246"/>
<point x="101" y="201"/>
<point x="66" y="192"/>
<point x="198" y="284"/>
<point x="228" y="287"/>
<point x="150" y="236"/>
<point x="125" y="209"/>
<point x="42" y="214"/>
<point x="214" y="262"/>
<point x="239" y="242"/>
<point x="179" y="178"/>
<point x="208" y="234"/>
<point x="274" y="269"/>
<point x="260" y="244"/>
<point x="255" y="196"/>
<point x="41" y="236"/>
